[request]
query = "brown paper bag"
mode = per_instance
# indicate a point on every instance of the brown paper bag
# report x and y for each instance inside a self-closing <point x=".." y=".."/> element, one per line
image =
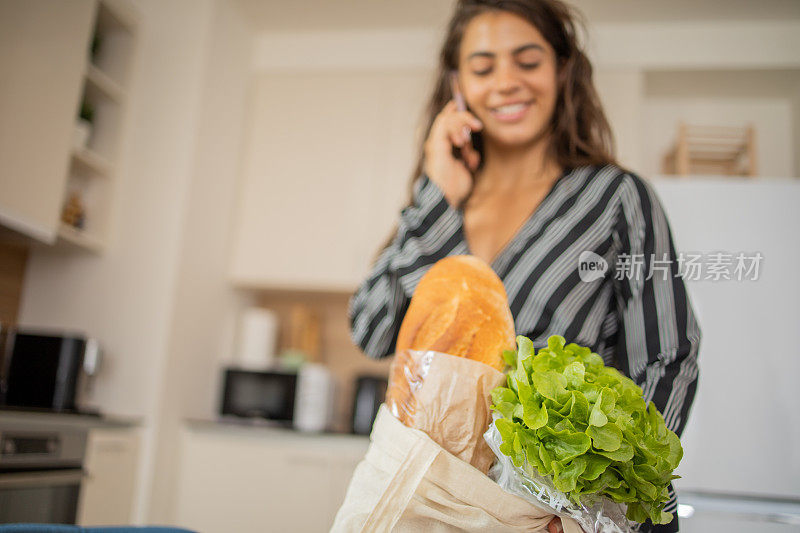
<point x="408" y="483"/>
<point x="448" y="398"/>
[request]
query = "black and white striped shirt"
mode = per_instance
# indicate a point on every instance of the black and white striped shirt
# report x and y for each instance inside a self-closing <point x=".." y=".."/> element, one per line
<point x="645" y="327"/>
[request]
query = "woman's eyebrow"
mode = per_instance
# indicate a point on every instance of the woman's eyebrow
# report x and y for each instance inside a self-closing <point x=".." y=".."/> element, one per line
<point x="516" y="51"/>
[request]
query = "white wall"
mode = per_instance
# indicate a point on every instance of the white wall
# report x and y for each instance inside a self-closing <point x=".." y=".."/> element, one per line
<point x="771" y="118"/>
<point x="621" y="91"/>
<point x="158" y="296"/>
<point x="625" y="56"/>
<point x="697" y="44"/>
<point x="206" y="307"/>
<point x="768" y="98"/>
<point x="125" y="296"/>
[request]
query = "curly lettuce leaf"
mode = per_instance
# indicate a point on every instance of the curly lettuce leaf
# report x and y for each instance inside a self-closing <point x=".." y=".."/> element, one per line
<point x="586" y="426"/>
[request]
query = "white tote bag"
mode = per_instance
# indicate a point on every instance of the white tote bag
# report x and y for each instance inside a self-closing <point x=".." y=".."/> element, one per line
<point x="408" y="483"/>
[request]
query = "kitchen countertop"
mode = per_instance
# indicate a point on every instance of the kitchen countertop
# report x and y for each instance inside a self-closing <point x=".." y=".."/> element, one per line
<point x="256" y="426"/>
<point x="55" y="420"/>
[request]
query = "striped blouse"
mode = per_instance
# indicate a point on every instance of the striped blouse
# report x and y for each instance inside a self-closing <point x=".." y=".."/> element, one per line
<point x="644" y="327"/>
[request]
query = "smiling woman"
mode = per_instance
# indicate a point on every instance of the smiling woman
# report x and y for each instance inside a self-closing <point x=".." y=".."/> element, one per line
<point x="507" y="83"/>
<point x="518" y="168"/>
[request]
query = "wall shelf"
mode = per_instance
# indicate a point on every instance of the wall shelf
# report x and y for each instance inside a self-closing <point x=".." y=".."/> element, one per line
<point x="80" y="238"/>
<point x="106" y="76"/>
<point x="90" y="161"/>
<point x="97" y="80"/>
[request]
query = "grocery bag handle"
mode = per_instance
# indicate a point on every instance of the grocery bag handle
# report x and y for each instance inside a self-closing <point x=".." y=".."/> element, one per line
<point x="401" y="488"/>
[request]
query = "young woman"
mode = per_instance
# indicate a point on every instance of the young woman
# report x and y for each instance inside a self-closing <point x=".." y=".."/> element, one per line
<point x="517" y="169"/>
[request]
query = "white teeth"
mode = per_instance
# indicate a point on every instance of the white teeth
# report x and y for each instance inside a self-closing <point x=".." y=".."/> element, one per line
<point x="509" y="109"/>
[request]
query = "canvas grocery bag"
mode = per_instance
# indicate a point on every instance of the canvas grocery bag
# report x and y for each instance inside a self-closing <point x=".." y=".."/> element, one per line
<point x="407" y="482"/>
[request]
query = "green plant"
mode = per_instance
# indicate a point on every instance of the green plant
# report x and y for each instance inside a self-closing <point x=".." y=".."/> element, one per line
<point x="585" y="427"/>
<point x="87" y="112"/>
<point x="97" y="42"/>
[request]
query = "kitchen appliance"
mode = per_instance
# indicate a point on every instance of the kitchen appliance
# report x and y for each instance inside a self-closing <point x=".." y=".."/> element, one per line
<point x="47" y="370"/>
<point x="369" y="395"/>
<point x="745" y="409"/>
<point x="258" y="335"/>
<point x="314" y="398"/>
<point x="302" y="399"/>
<point x="40" y="473"/>
<point x="259" y="394"/>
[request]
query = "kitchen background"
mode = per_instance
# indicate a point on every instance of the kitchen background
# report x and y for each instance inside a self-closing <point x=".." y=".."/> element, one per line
<point x="250" y="153"/>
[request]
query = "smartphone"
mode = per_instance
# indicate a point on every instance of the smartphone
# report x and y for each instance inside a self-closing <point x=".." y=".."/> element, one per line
<point x="461" y="105"/>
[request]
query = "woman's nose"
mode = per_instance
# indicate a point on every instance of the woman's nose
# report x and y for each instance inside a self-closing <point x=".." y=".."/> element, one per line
<point x="507" y="79"/>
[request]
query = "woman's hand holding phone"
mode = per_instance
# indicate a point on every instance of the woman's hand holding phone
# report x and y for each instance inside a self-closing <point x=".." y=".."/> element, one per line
<point x="451" y="128"/>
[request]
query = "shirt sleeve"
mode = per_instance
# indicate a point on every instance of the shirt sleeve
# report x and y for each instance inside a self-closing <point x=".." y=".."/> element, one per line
<point x="658" y="335"/>
<point x="427" y="231"/>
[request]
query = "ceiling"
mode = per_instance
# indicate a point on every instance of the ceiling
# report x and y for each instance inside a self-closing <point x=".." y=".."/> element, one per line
<point x="282" y="15"/>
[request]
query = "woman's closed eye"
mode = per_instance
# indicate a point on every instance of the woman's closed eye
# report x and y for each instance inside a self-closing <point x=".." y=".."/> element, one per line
<point x="525" y="66"/>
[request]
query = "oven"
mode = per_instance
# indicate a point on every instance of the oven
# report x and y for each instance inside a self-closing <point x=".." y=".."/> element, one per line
<point x="40" y="474"/>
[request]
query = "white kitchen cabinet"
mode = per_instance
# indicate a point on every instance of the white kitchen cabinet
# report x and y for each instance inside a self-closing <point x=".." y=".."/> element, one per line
<point x="56" y="57"/>
<point x="44" y="46"/>
<point x="258" y="479"/>
<point x="108" y="489"/>
<point x="326" y="165"/>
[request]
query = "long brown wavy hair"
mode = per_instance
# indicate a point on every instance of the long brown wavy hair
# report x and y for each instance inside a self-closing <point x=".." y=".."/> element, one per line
<point x="580" y="133"/>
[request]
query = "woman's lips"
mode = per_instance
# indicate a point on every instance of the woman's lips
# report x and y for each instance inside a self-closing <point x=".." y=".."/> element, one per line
<point x="510" y="113"/>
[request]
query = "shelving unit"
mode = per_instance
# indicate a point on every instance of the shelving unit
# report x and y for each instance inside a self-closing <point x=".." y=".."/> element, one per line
<point x="76" y="237"/>
<point x="98" y="82"/>
<point x="106" y="79"/>
<point x="712" y="150"/>
<point x="90" y="161"/>
<point x="718" y="122"/>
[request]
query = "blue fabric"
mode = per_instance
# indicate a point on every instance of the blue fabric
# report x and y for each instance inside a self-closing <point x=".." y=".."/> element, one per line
<point x="62" y="528"/>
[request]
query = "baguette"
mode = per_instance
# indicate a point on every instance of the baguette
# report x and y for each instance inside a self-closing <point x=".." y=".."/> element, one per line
<point x="459" y="307"/>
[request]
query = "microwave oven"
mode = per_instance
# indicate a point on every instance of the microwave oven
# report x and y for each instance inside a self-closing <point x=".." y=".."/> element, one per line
<point x="301" y="399"/>
<point x="47" y="370"/>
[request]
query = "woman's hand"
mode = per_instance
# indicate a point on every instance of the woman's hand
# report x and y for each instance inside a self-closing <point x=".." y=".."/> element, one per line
<point x="450" y="128"/>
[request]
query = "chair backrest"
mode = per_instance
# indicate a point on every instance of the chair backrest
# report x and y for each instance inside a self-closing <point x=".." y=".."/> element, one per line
<point x="63" y="528"/>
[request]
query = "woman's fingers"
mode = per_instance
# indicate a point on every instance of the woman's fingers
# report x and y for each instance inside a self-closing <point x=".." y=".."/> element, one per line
<point x="457" y="124"/>
<point x="460" y="127"/>
<point x="457" y="136"/>
<point x="471" y="156"/>
<point x="471" y="120"/>
<point x="452" y="128"/>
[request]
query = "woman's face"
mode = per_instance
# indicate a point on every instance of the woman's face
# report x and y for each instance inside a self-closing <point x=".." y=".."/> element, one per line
<point x="507" y="73"/>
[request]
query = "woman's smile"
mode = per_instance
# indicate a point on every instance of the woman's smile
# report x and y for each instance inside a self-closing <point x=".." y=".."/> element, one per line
<point x="511" y="112"/>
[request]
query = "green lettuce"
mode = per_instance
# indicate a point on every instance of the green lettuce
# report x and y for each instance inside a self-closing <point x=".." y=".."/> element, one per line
<point x="586" y="427"/>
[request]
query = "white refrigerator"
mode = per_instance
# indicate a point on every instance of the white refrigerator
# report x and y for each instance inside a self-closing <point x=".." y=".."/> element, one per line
<point x="741" y="467"/>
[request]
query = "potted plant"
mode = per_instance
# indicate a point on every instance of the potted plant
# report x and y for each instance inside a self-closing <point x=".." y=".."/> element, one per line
<point x="83" y="127"/>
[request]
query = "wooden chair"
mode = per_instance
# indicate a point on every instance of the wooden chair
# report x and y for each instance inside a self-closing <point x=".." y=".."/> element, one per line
<point x="719" y="150"/>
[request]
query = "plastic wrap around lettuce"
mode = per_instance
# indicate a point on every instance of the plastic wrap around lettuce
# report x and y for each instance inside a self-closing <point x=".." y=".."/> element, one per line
<point x="585" y="427"/>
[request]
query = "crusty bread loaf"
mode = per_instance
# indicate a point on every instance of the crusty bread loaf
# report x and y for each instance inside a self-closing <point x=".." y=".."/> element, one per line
<point x="460" y="307"/>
